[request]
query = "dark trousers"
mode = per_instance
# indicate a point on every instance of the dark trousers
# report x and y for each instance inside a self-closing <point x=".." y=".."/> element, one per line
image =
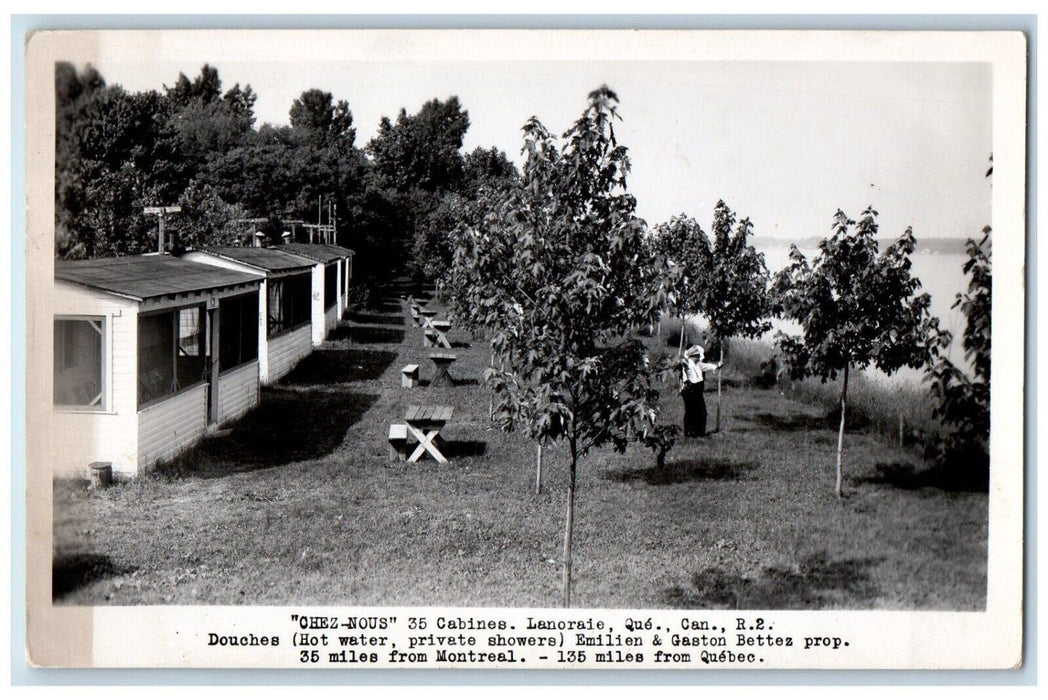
<point x="694" y="410"/>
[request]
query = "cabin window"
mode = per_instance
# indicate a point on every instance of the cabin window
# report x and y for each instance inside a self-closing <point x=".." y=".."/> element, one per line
<point x="289" y="303"/>
<point x="238" y="331"/>
<point x="330" y="285"/>
<point x="79" y="369"/>
<point x="172" y="352"/>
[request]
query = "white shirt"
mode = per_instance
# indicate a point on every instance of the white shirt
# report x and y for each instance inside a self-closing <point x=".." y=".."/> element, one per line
<point x="692" y="369"/>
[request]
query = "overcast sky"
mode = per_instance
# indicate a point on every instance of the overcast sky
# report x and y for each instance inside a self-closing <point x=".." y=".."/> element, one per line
<point x="784" y="143"/>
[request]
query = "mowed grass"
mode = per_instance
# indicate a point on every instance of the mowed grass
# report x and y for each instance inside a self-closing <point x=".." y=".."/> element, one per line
<point x="300" y="504"/>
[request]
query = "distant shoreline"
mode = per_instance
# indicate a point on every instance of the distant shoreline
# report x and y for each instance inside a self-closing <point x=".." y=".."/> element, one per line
<point x="934" y="246"/>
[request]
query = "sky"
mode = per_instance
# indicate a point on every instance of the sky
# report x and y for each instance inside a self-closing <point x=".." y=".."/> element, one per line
<point x="784" y="143"/>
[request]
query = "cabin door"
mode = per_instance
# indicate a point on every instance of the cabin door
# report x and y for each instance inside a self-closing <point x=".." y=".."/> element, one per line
<point x="212" y="366"/>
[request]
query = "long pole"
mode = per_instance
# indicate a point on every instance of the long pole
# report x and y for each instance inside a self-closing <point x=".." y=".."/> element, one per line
<point x="161" y="212"/>
<point x="538" y="470"/>
<point x="717" y="428"/>
<point x="840" y="435"/>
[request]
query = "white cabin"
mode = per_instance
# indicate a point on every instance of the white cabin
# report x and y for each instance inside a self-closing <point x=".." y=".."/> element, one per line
<point x="287" y="318"/>
<point x="337" y="264"/>
<point x="150" y="351"/>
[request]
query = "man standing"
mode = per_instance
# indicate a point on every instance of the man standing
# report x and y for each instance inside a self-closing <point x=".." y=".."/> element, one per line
<point x="692" y="367"/>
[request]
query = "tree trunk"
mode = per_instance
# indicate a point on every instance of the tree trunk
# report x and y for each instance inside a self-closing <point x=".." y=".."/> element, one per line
<point x="680" y="351"/>
<point x="491" y="395"/>
<point x="716" y="427"/>
<point x="568" y="525"/>
<point x="840" y="434"/>
<point x="538" y="470"/>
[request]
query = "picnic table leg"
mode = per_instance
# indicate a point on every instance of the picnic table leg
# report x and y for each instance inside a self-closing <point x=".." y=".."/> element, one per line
<point x="425" y="444"/>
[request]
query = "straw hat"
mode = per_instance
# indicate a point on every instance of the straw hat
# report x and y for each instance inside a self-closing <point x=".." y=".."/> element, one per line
<point x="695" y="351"/>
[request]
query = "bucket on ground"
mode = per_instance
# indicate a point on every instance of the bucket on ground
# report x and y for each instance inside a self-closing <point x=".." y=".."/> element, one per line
<point x="101" y="474"/>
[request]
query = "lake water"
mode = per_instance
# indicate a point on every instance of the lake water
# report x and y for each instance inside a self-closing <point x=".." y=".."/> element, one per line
<point x="941" y="276"/>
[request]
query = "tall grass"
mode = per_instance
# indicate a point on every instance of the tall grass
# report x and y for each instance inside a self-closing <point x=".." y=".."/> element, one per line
<point x="898" y="409"/>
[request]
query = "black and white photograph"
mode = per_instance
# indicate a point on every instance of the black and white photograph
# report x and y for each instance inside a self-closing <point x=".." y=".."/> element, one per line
<point x="548" y="329"/>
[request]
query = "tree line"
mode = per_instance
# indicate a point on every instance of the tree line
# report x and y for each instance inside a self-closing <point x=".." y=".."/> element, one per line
<point x="197" y="145"/>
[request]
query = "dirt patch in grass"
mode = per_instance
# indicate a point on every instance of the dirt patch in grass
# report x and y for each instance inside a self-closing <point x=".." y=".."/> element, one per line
<point x="338" y="366"/>
<point x="815" y="582"/>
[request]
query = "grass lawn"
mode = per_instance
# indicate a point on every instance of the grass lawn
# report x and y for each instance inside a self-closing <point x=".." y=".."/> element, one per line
<point x="300" y="504"/>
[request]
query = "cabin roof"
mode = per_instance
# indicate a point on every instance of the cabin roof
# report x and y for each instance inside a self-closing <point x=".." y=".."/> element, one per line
<point x="266" y="259"/>
<point x="321" y="252"/>
<point x="142" y="277"/>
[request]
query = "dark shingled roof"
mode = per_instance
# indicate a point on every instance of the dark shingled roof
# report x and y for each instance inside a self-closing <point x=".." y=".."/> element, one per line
<point x="144" y="277"/>
<point x="268" y="259"/>
<point x="321" y="252"/>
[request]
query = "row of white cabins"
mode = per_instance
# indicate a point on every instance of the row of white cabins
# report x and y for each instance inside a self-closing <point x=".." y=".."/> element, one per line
<point x="151" y="352"/>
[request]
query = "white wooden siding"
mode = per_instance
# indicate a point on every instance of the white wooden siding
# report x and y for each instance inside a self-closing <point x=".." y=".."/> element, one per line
<point x="286" y="350"/>
<point x="237" y="392"/>
<point x="331" y="318"/>
<point x="170" y="426"/>
<point x="79" y="437"/>
<point x="319" y="329"/>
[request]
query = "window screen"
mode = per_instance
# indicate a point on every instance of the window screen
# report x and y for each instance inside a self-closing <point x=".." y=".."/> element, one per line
<point x="330" y="285"/>
<point x="172" y="352"/>
<point x="238" y="331"/>
<point x="79" y="368"/>
<point x="289" y="303"/>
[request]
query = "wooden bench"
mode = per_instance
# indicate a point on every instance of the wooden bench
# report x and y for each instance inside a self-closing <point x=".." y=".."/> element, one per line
<point x="429" y="338"/>
<point x="409" y="376"/>
<point x="398" y="442"/>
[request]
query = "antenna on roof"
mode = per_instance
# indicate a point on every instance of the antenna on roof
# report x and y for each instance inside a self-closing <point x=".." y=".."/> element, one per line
<point x="161" y="211"/>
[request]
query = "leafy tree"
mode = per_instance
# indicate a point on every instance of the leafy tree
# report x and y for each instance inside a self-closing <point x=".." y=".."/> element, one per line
<point x="206" y="219"/>
<point x="104" y="151"/>
<point x="682" y="242"/>
<point x="857" y="307"/>
<point x="734" y="294"/>
<point x="316" y="114"/>
<point x="962" y="400"/>
<point x="486" y="171"/>
<point x="421" y="150"/>
<point x="561" y="274"/>
<point x="487" y="168"/>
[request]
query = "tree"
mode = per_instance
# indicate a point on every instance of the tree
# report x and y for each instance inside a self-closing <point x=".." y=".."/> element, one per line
<point x="962" y="399"/>
<point x="682" y="242"/>
<point x="857" y="307"/>
<point x="734" y="295"/>
<point x="421" y="150"/>
<point x="563" y="276"/>
<point x="316" y="114"/>
<point x="206" y="219"/>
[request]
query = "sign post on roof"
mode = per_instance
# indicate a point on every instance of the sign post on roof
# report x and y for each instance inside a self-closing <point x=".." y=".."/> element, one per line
<point x="161" y="211"/>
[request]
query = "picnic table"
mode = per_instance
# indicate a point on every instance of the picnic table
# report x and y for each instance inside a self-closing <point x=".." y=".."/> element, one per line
<point x="425" y="424"/>
<point x="427" y="317"/>
<point x="442" y="361"/>
<point x="441" y="328"/>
